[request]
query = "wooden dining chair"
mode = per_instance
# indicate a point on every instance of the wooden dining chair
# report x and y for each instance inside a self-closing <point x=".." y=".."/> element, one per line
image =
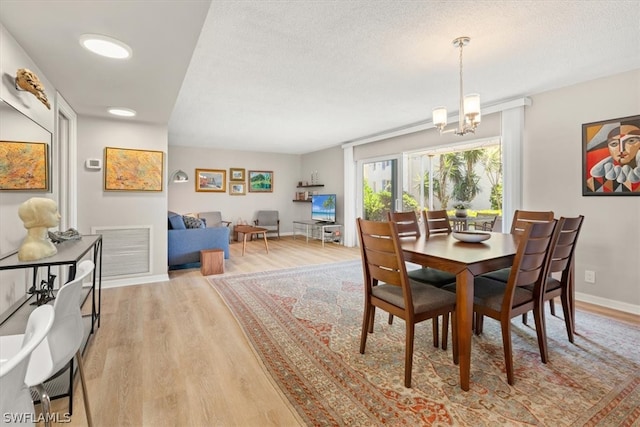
<point x="436" y="222"/>
<point x="561" y="256"/>
<point x="388" y="287"/>
<point x="407" y="225"/>
<point x="503" y="301"/>
<point x="520" y="220"/>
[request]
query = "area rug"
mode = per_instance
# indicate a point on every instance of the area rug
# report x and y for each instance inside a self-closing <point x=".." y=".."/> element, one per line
<point x="304" y="324"/>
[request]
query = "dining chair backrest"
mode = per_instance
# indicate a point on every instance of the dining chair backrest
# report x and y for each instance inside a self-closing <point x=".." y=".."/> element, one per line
<point x="436" y="222"/>
<point x="521" y="218"/>
<point x="15" y="397"/>
<point x="67" y="332"/>
<point x="563" y="245"/>
<point x="530" y="263"/>
<point x="406" y="223"/>
<point x="382" y="259"/>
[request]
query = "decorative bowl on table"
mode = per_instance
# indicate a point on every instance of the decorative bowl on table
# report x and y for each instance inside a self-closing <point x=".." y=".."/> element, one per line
<point x="471" y="236"/>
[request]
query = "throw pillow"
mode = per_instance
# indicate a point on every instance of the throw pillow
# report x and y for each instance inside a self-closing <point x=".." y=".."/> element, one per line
<point x="191" y="222"/>
<point x="177" y="223"/>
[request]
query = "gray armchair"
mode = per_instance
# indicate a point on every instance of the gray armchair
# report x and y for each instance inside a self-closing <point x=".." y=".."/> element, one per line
<point x="268" y="220"/>
<point x="214" y="219"/>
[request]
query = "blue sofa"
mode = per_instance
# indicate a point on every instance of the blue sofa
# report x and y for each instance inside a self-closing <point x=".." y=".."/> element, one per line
<point x="185" y="244"/>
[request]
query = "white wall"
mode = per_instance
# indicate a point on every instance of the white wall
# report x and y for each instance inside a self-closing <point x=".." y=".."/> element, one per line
<point x="99" y="208"/>
<point x="330" y="169"/>
<point x="610" y="240"/>
<point x="23" y="118"/>
<point x="183" y="198"/>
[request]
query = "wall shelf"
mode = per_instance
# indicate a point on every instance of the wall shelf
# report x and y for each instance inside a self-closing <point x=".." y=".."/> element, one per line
<point x="311" y="185"/>
<point x="302" y="200"/>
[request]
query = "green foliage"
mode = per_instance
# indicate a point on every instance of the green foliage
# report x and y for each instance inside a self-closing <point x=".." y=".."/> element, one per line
<point x="496" y="197"/>
<point x="376" y="205"/>
<point x="465" y="182"/>
<point x="409" y="202"/>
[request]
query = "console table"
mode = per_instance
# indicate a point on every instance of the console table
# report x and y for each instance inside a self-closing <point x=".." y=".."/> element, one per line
<point x="70" y="253"/>
<point x="318" y="230"/>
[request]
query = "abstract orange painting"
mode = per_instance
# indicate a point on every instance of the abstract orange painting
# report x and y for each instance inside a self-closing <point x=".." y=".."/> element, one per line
<point x="132" y="170"/>
<point x="24" y="166"/>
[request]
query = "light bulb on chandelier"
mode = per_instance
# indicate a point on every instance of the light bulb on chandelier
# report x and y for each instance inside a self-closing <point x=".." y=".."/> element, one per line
<point x="469" y="105"/>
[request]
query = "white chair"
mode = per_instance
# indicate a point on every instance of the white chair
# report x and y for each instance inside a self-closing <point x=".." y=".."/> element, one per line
<point x="62" y="342"/>
<point x="15" y="398"/>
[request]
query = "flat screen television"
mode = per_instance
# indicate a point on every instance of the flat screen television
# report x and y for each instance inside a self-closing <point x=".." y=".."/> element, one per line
<point x="323" y="207"/>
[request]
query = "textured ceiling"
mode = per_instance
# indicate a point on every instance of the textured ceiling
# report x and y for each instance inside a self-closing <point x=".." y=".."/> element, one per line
<point x="299" y="76"/>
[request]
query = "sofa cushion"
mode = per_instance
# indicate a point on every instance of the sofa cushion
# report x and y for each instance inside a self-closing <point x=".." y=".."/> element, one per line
<point x="176" y="222"/>
<point x="191" y="222"/>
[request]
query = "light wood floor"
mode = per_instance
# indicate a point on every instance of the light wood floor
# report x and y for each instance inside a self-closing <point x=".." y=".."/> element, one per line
<point x="171" y="353"/>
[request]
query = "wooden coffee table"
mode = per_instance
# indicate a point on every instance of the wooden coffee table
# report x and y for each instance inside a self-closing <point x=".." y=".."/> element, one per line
<point x="248" y="230"/>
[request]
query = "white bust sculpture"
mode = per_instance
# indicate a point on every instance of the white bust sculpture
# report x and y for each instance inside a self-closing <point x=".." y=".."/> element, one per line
<point x="38" y="214"/>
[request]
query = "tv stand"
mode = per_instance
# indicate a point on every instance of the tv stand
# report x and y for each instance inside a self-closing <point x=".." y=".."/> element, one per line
<point x="320" y="230"/>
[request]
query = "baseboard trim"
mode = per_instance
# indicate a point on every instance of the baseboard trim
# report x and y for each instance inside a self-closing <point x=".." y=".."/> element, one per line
<point x="131" y="281"/>
<point x="608" y="303"/>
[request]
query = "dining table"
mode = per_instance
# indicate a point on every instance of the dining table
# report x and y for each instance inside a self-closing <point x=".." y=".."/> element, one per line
<point x="465" y="260"/>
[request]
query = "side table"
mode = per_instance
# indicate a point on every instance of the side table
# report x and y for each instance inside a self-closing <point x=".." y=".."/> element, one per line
<point x="249" y="230"/>
<point x="211" y="261"/>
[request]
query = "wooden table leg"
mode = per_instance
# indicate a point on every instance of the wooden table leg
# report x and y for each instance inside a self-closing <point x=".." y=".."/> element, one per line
<point x="464" y="312"/>
<point x="244" y="242"/>
<point x="266" y="245"/>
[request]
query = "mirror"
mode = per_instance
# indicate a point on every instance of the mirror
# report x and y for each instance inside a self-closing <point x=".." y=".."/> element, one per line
<point x="25" y="152"/>
<point x="16" y="127"/>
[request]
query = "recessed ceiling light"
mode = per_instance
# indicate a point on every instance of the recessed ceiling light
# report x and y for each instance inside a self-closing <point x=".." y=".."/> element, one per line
<point x="105" y="46"/>
<point x="122" y="112"/>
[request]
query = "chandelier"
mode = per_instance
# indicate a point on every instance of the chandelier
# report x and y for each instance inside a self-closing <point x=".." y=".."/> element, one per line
<point x="469" y="116"/>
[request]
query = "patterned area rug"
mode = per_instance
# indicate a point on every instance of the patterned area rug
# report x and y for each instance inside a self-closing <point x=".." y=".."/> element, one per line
<point x="304" y="324"/>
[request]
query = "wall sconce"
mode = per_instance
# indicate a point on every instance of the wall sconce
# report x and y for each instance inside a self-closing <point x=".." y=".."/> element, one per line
<point x="180" y="176"/>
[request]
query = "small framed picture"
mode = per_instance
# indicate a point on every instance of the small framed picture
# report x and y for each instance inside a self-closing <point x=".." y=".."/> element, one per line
<point x="236" y="174"/>
<point x="237" y="188"/>
<point x="211" y="180"/>
<point x="261" y="181"/>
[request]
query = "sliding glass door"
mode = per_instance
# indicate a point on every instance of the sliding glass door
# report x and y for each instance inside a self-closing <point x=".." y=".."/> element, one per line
<point x="381" y="190"/>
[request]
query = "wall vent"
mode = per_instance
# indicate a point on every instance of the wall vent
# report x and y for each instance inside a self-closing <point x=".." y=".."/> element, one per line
<point x="125" y="250"/>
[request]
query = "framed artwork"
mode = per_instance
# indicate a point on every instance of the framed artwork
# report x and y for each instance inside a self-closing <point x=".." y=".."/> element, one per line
<point x="211" y="180"/>
<point x="236" y="174"/>
<point x="237" y="188"/>
<point x="133" y="170"/>
<point x="260" y="181"/>
<point x="24" y="166"/>
<point x="611" y="157"/>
